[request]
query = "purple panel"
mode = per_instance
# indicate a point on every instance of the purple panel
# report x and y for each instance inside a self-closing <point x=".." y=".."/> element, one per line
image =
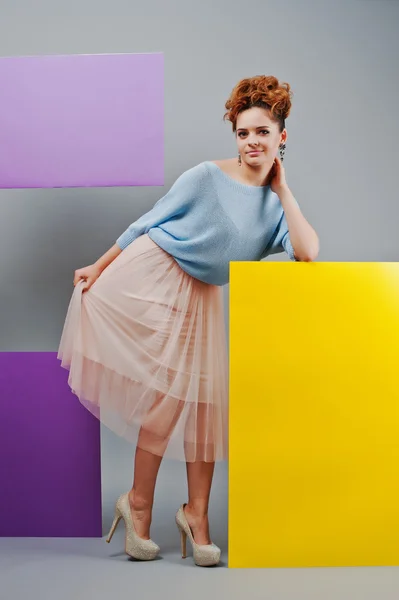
<point x="50" y="470"/>
<point x="81" y="120"/>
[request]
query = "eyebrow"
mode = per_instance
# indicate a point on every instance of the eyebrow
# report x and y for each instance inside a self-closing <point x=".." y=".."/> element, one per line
<point x="260" y="127"/>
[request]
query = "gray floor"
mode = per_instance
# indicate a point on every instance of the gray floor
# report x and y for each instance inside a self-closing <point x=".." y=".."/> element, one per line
<point x="66" y="569"/>
<point x="75" y="569"/>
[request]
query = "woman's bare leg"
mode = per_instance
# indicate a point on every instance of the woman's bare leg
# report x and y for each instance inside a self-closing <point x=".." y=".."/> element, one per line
<point x="141" y="496"/>
<point x="151" y="445"/>
<point x="199" y="480"/>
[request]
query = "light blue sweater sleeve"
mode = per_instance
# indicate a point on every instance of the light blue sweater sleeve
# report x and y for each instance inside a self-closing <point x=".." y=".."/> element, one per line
<point x="172" y="205"/>
<point x="281" y="241"/>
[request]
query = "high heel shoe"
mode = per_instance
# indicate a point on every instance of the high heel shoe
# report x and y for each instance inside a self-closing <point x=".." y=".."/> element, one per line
<point x="204" y="555"/>
<point x="135" y="546"/>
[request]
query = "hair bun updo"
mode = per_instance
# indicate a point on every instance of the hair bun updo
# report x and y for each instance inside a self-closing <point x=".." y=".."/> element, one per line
<point x="264" y="91"/>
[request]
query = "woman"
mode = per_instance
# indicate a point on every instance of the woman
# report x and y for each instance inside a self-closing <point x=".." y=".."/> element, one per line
<point x="144" y="337"/>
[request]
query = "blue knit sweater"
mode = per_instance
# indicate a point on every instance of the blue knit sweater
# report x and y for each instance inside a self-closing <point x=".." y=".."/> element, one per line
<point x="208" y="219"/>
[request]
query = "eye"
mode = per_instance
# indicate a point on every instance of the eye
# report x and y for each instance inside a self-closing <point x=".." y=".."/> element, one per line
<point x="264" y="131"/>
<point x="241" y="133"/>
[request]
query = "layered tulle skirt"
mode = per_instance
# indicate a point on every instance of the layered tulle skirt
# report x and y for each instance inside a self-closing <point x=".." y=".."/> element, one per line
<point x="146" y="351"/>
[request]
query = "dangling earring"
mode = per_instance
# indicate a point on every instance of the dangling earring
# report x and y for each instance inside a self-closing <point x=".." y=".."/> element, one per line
<point x="239" y="160"/>
<point x="282" y="148"/>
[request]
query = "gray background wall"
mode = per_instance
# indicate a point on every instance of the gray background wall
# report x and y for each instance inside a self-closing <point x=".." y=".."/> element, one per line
<point x="341" y="154"/>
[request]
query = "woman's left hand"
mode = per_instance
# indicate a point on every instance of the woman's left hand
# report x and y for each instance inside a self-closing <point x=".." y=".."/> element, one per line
<point x="278" y="180"/>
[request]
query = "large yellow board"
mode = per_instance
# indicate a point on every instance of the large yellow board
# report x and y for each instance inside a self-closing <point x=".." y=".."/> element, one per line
<point x="314" y="414"/>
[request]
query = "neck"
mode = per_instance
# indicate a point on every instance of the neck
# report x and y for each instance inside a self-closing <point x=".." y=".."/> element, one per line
<point x="256" y="175"/>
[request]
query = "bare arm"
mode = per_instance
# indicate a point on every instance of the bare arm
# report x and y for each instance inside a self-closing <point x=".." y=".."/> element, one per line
<point x="92" y="272"/>
<point x="108" y="257"/>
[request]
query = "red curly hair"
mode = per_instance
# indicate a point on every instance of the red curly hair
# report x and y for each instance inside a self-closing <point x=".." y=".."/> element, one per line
<point x="263" y="91"/>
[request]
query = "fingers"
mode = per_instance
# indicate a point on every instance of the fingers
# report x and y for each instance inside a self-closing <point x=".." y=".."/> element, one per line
<point x="88" y="285"/>
<point x="87" y="279"/>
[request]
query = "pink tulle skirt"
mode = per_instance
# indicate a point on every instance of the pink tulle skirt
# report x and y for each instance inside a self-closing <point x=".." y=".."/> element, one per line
<point x="146" y="351"/>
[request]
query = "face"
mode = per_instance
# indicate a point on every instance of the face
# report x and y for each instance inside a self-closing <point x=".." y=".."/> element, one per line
<point x="255" y="130"/>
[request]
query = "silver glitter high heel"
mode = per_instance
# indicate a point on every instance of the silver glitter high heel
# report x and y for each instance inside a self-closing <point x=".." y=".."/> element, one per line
<point x="204" y="556"/>
<point x="135" y="546"/>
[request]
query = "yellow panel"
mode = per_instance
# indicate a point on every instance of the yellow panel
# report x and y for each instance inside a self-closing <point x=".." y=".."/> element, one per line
<point x="314" y="414"/>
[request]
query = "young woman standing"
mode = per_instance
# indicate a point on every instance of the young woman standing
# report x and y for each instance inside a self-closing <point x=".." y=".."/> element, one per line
<point x="144" y="337"/>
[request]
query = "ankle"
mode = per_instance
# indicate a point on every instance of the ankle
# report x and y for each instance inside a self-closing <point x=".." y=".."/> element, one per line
<point x="138" y="502"/>
<point x="197" y="510"/>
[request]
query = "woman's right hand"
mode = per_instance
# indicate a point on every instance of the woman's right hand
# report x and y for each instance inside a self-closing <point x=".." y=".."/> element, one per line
<point x="88" y="274"/>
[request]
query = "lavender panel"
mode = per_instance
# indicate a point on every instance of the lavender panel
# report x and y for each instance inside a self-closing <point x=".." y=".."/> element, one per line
<point x="81" y="120"/>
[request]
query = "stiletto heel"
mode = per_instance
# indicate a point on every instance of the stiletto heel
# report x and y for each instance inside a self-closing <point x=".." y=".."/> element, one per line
<point x="114" y="525"/>
<point x="204" y="555"/>
<point x="135" y="546"/>
<point x="183" y="543"/>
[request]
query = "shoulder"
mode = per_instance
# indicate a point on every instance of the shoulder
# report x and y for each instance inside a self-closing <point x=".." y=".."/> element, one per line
<point x="192" y="180"/>
<point x="197" y="170"/>
<point x="191" y="175"/>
